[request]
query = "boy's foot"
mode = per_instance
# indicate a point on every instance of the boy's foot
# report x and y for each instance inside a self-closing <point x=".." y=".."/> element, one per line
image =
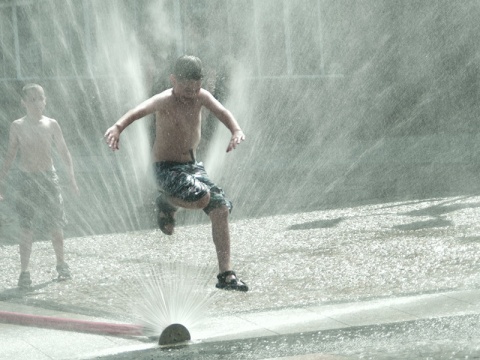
<point x="63" y="272"/>
<point x="232" y="284"/>
<point x="165" y="216"/>
<point x="24" y="281"/>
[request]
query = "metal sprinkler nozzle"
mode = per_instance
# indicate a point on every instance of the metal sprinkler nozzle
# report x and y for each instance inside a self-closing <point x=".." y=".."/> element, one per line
<point x="173" y="334"/>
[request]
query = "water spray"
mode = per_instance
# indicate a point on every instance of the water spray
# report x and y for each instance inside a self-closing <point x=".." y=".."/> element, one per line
<point x="171" y="298"/>
<point x="166" y="299"/>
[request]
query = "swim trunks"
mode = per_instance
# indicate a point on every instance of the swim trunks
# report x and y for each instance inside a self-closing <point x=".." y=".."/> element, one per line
<point x="39" y="193"/>
<point x="189" y="182"/>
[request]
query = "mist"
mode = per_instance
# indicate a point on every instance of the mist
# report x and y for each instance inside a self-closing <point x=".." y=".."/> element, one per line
<point x="341" y="102"/>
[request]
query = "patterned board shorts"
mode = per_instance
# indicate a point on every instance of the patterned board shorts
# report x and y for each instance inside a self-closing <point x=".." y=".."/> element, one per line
<point x="39" y="193"/>
<point x="189" y="182"/>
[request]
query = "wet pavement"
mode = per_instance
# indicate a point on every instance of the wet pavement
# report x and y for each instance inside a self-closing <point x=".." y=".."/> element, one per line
<point x="395" y="280"/>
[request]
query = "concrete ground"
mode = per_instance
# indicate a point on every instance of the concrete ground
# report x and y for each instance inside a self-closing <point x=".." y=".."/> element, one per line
<point x="25" y="342"/>
<point x="395" y="280"/>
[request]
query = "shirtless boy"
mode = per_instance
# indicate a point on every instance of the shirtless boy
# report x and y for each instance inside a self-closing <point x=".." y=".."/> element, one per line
<point x="32" y="137"/>
<point x="182" y="181"/>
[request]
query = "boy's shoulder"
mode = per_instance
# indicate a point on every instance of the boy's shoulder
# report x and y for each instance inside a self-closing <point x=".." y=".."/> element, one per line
<point x="18" y="124"/>
<point x="164" y="94"/>
<point x="22" y="120"/>
<point x="48" y="120"/>
<point x="19" y="121"/>
<point x="205" y="95"/>
<point x="161" y="97"/>
<point x="49" y="123"/>
<point x="44" y="121"/>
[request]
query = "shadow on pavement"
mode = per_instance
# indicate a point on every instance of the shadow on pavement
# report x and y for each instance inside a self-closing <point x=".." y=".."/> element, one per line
<point x="16" y="293"/>
<point x="317" y="224"/>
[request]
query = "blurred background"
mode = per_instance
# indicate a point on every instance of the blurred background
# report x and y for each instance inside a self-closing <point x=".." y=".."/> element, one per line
<point x="342" y="102"/>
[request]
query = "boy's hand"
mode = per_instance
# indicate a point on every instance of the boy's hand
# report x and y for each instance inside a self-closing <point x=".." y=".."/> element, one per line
<point x="112" y="137"/>
<point x="237" y="137"/>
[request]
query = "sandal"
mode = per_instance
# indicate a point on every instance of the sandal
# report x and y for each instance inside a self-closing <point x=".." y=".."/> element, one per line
<point x="165" y="215"/>
<point x="234" y="284"/>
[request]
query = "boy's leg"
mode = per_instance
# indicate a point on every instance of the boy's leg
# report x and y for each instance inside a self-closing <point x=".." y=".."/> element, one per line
<point x="25" y="207"/>
<point x="180" y="185"/>
<point x="221" y="238"/>
<point x="57" y="242"/>
<point x="220" y="229"/>
<point x="167" y="207"/>
<point x="25" y="247"/>
<point x="58" y="246"/>
<point x="191" y="205"/>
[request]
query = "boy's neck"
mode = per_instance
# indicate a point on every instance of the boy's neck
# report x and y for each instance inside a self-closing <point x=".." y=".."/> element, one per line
<point x="33" y="117"/>
<point x="183" y="100"/>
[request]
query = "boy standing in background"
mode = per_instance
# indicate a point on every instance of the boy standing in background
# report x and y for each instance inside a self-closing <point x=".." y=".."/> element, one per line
<point x="32" y="136"/>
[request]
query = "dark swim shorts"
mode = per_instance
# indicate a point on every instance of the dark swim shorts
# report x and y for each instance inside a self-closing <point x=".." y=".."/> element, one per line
<point x="189" y="182"/>
<point x="39" y="193"/>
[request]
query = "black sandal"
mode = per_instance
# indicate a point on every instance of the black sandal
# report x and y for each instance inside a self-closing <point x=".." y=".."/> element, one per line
<point x="167" y="210"/>
<point x="234" y="284"/>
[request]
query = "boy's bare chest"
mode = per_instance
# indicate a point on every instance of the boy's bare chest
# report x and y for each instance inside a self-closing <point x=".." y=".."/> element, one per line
<point x="35" y="136"/>
<point x="182" y="117"/>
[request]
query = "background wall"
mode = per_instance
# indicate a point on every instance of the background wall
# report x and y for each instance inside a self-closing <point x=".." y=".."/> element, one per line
<point x="402" y="121"/>
<point x="342" y="101"/>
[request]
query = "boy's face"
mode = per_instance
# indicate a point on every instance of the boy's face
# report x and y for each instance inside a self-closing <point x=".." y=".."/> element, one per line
<point x="35" y="101"/>
<point x="186" y="89"/>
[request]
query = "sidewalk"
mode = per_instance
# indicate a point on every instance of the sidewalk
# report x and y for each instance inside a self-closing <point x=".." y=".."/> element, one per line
<point x="20" y="342"/>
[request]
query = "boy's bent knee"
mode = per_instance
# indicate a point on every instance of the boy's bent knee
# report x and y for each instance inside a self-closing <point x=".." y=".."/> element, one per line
<point x="204" y="201"/>
<point x="197" y="204"/>
<point x="221" y="204"/>
<point x="221" y="211"/>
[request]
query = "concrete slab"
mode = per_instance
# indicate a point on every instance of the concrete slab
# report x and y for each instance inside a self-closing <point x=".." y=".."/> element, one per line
<point x="287" y="321"/>
<point x="22" y="342"/>
<point x="28" y="342"/>
<point x="311" y="357"/>
<point x="378" y="315"/>
<point x="469" y="296"/>
<point x="429" y="306"/>
<point x="227" y="328"/>
<point x="14" y="346"/>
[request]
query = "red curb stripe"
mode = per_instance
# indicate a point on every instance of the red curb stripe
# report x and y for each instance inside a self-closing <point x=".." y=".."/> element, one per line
<point x="70" y="324"/>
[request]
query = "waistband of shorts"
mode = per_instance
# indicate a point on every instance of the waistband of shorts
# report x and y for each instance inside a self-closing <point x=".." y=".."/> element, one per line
<point x="172" y="163"/>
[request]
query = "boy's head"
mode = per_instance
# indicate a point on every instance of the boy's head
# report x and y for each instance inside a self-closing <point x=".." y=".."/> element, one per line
<point x="188" y="67"/>
<point x="187" y="77"/>
<point x="29" y="88"/>
<point x="33" y="98"/>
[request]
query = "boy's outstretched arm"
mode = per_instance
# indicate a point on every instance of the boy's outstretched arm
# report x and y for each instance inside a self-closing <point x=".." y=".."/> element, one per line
<point x="112" y="135"/>
<point x="11" y="154"/>
<point x="237" y="137"/>
<point x="227" y="118"/>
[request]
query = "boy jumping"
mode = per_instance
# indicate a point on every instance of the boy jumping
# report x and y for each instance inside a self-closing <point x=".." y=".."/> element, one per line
<point x="182" y="181"/>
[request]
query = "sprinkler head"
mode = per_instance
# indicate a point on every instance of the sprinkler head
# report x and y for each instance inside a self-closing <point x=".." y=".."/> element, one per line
<point x="174" y="334"/>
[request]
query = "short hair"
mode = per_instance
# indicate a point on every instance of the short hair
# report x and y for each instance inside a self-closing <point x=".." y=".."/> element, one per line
<point x="188" y="67"/>
<point x="29" y="87"/>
